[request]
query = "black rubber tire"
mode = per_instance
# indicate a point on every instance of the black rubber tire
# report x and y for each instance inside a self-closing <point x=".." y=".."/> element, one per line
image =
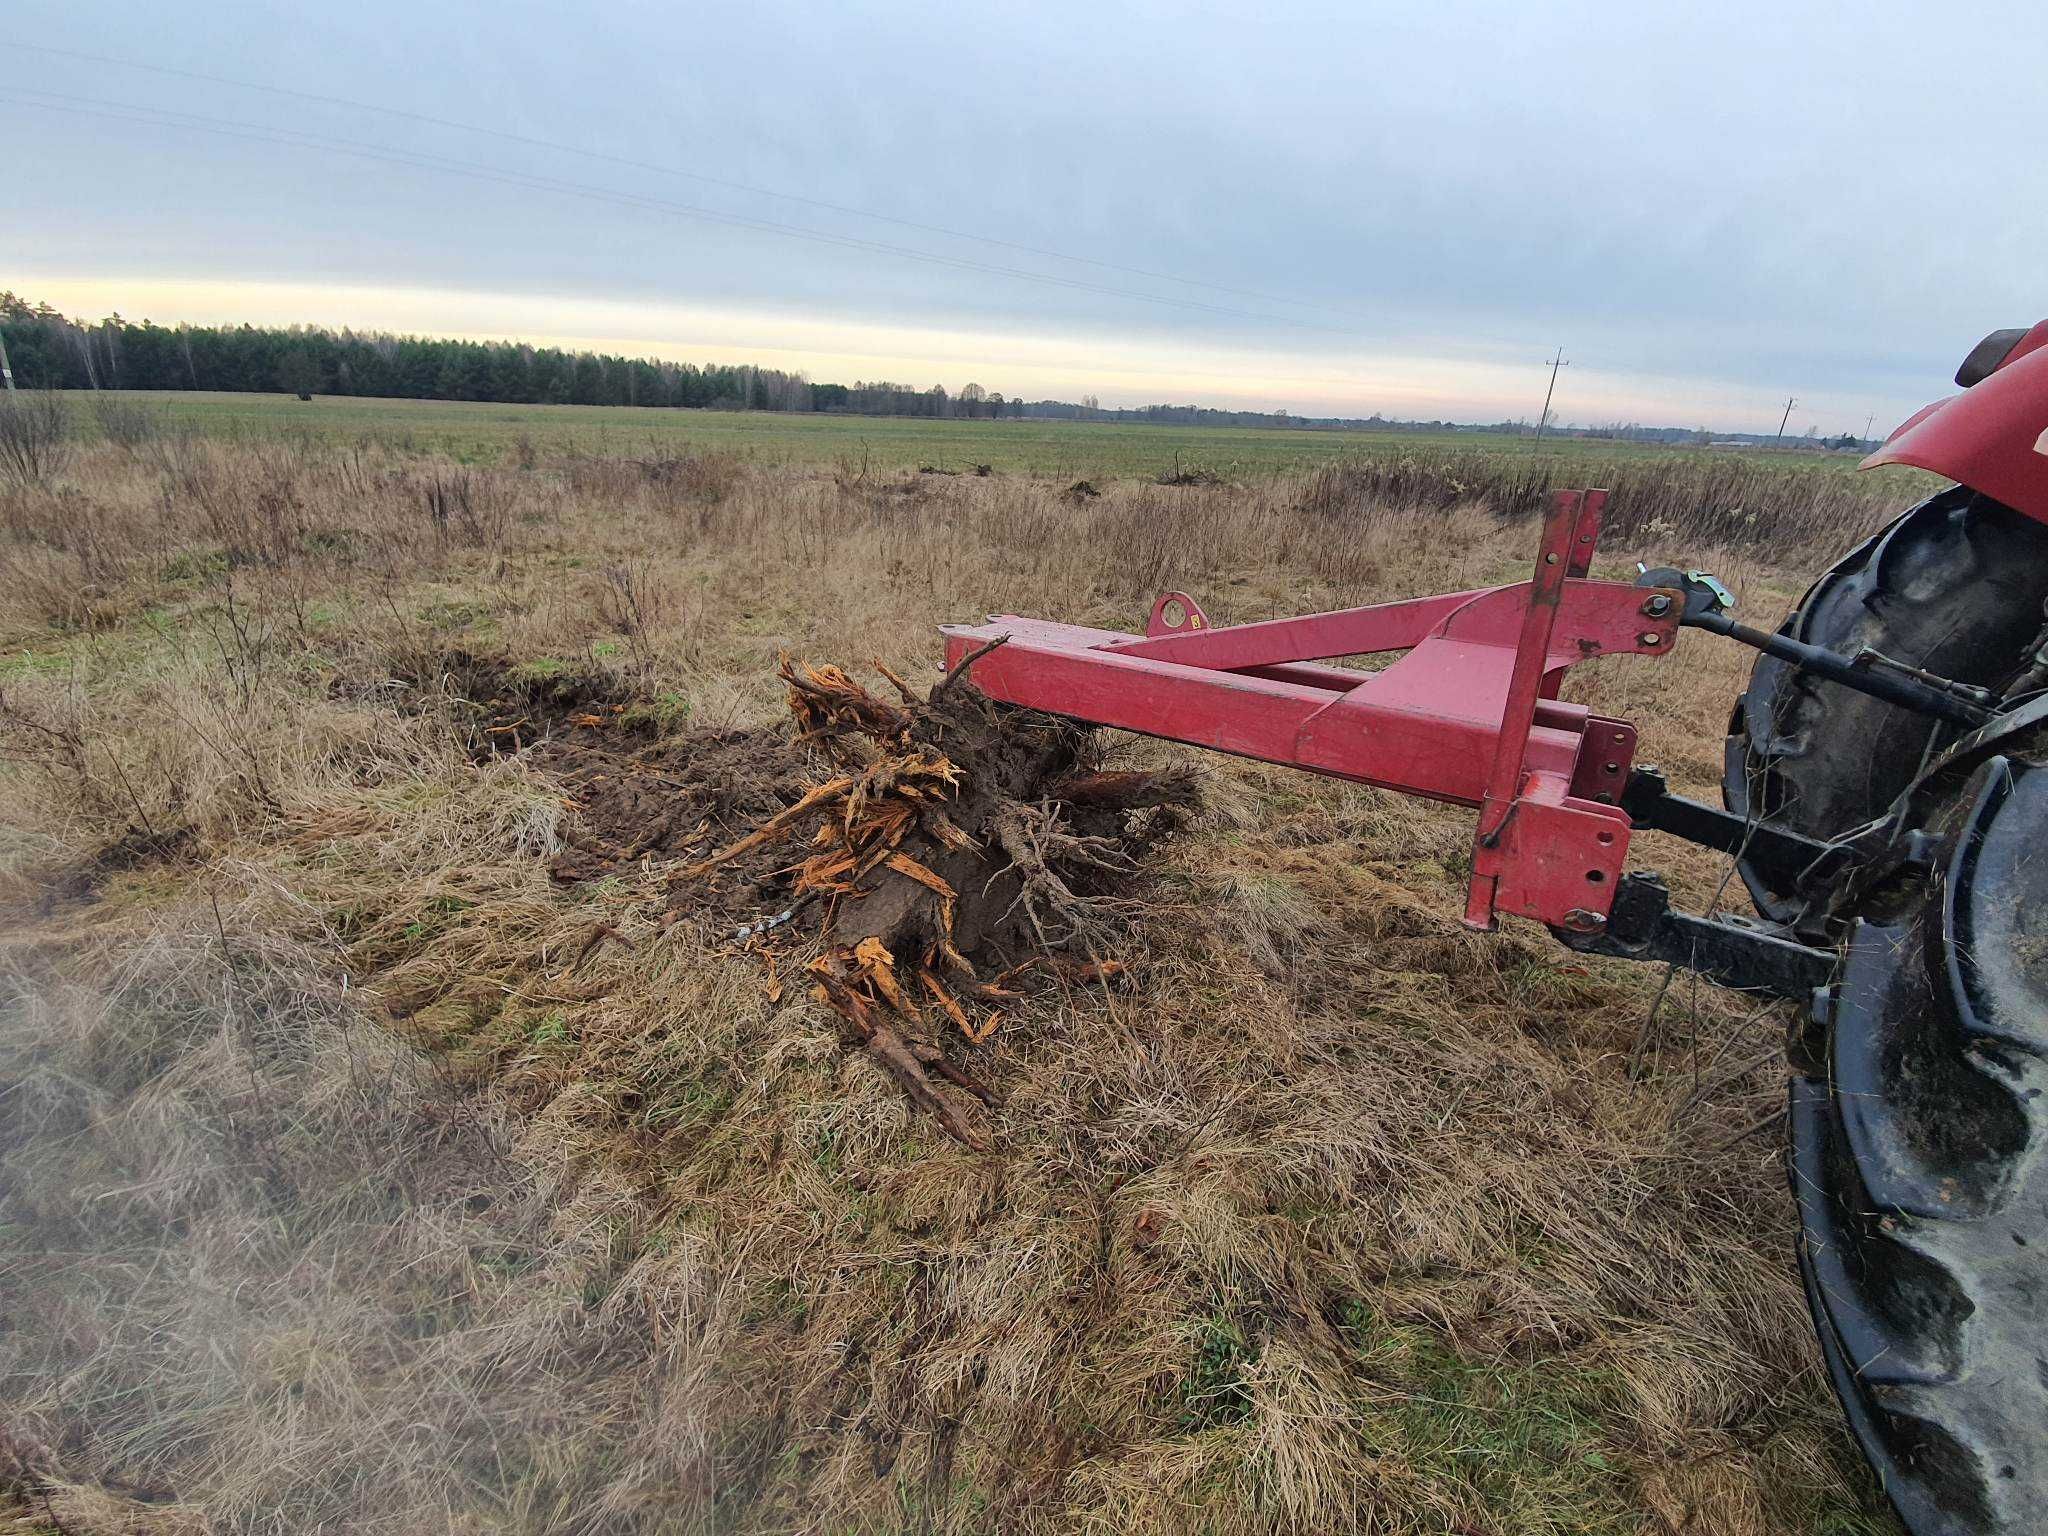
<point x="1919" y="1154"/>
<point x="1919" y="1123"/>
<point x="1956" y="586"/>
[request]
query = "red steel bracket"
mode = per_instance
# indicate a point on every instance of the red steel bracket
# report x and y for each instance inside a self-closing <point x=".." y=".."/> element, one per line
<point x="1468" y="712"/>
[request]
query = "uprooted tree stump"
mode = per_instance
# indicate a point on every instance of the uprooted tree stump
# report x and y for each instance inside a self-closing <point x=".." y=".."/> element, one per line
<point x="958" y="847"/>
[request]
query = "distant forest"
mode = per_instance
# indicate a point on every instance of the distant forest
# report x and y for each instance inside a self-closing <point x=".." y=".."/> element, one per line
<point x="48" y="349"/>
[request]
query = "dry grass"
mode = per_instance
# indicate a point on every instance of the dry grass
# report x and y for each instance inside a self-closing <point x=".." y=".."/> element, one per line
<point x="336" y="1195"/>
<point x="1691" y="501"/>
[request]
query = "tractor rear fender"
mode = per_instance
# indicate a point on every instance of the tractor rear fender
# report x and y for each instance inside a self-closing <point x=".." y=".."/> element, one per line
<point x="1993" y="437"/>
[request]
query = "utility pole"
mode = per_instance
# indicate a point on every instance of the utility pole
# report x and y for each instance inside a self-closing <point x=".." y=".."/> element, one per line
<point x="1556" y="363"/>
<point x="6" y="372"/>
<point x="1868" y="422"/>
<point x="1790" y="401"/>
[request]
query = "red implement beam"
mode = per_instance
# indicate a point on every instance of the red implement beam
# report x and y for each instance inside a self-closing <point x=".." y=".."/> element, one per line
<point x="1313" y="637"/>
<point x="1554" y="559"/>
<point x="1467" y="713"/>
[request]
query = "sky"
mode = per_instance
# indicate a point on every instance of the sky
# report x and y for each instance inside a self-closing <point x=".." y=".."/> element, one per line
<point x="1327" y="209"/>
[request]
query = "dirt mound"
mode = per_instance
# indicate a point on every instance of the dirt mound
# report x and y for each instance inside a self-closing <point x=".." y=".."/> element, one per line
<point x="953" y="850"/>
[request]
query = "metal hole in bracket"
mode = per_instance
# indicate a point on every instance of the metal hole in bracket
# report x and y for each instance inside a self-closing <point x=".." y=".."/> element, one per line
<point x="1174" y="614"/>
<point x="1604" y="839"/>
<point x="1597" y="876"/>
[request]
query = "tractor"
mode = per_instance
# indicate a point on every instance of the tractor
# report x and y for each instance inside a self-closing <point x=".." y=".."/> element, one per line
<point x="1886" y="801"/>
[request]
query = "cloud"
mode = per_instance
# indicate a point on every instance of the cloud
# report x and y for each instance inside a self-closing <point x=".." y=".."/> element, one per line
<point x="1710" y="211"/>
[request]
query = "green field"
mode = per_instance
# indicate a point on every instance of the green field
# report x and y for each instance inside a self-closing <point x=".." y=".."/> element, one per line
<point x="1059" y="449"/>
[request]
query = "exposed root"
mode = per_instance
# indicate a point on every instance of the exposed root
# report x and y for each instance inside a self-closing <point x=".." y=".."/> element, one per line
<point x="829" y="705"/>
<point x="774" y="829"/>
<point x="961" y="846"/>
<point x="861" y="985"/>
<point x="1035" y="842"/>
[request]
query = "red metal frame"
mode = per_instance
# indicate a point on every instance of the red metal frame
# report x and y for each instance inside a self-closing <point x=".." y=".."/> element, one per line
<point x="1468" y="712"/>
<point x="1993" y="437"/>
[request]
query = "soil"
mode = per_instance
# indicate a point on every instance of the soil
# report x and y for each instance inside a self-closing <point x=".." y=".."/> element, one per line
<point x="936" y="848"/>
<point x="660" y="800"/>
<point x="642" y="798"/>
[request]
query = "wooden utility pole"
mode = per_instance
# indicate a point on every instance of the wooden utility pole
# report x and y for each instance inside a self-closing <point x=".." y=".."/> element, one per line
<point x="1790" y="401"/>
<point x="1868" y="422"/>
<point x="1556" y="363"/>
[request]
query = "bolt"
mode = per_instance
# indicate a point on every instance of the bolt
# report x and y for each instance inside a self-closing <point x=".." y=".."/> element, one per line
<point x="1657" y="606"/>
<point x="1584" y="921"/>
<point x="1650" y="637"/>
<point x="1823" y="1006"/>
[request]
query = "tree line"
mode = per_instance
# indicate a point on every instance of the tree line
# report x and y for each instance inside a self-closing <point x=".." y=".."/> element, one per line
<point x="49" y="349"/>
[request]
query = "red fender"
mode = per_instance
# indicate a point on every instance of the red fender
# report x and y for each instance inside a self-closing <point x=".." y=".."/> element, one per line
<point x="1993" y="437"/>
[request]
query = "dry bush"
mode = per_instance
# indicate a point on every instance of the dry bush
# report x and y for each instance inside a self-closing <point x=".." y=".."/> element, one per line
<point x="639" y="605"/>
<point x="126" y="422"/>
<point x="224" y="730"/>
<point x="1689" y="501"/>
<point x="245" y="504"/>
<point x="35" y="436"/>
<point x="706" y="478"/>
<point x="47" y="588"/>
<point x="665" y="478"/>
<point x="473" y="507"/>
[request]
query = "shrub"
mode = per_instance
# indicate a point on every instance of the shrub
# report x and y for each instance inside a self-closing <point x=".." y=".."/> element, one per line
<point x="35" y="436"/>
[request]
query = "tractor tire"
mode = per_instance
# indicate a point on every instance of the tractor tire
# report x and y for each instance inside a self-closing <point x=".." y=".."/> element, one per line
<point x="1955" y="586"/>
<point x="1919" y="1149"/>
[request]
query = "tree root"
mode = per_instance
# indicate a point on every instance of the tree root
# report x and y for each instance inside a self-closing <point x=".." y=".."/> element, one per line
<point x="953" y="834"/>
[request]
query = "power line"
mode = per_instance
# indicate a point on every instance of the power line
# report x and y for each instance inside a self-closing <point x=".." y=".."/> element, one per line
<point x="669" y="170"/>
<point x="163" y="117"/>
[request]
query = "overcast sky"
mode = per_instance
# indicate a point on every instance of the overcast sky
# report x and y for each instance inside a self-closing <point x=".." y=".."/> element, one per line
<point x="1400" y="208"/>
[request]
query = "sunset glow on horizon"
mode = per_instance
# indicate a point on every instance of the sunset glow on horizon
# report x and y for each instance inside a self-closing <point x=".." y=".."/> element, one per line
<point x="1152" y="367"/>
